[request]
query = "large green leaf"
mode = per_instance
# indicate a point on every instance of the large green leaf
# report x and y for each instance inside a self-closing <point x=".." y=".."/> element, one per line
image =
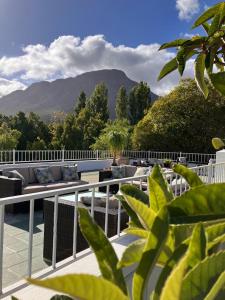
<point x="168" y="68"/>
<point x="82" y="286"/>
<point x="217" y="288"/>
<point x="199" y="73"/>
<point x="197" y="246"/>
<point x="190" y="176"/>
<point x="200" y="280"/>
<point x="132" y="253"/>
<point x="142" y="233"/>
<point x="209" y="61"/>
<point x="160" y="192"/>
<point x="154" y="245"/>
<point x="146" y="214"/>
<point x="181" y="60"/>
<point x="217" y="80"/>
<point x="131" y="213"/>
<point x="215" y="234"/>
<point x="173" y="285"/>
<point x="208" y="14"/>
<point x="168" y="268"/>
<point x="175" y="43"/>
<point x="104" y="252"/>
<point x="206" y="26"/>
<point x="215" y="24"/>
<point x="135" y="192"/>
<point x="201" y="203"/>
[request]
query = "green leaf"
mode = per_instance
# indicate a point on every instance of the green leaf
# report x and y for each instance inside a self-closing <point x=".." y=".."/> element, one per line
<point x="142" y="233"/>
<point x="173" y="285"/>
<point x="104" y="252"/>
<point x="199" y="73"/>
<point x="146" y="215"/>
<point x="203" y="276"/>
<point x="202" y="203"/>
<point x="160" y="191"/>
<point x="217" y="80"/>
<point x="168" y="268"/>
<point x="214" y="25"/>
<point x="217" y="288"/>
<point x="208" y="14"/>
<point x="82" y="286"/>
<point x="131" y="213"/>
<point x="175" y="43"/>
<point x="154" y="245"/>
<point x="135" y="192"/>
<point x="209" y="61"/>
<point x="190" y="176"/>
<point x="215" y="234"/>
<point x="132" y="253"/>
<point x="181" y="60"/>
<point x="197" y="246"/>
<point x="168" y="68"/>
<point x="217" y="143"/>
<point x="206" y="26"/>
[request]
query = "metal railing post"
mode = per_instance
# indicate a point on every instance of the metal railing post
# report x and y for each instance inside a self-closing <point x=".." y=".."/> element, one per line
<point x="14" y="156"/>
<point x="209" y="172"/>
<point x="97" y="155"/>
<point x="63" y="154"/>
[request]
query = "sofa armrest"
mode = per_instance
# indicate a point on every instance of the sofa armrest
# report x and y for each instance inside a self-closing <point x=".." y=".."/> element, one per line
<point x="10" y="186"/>
<point x="105" y="174"/>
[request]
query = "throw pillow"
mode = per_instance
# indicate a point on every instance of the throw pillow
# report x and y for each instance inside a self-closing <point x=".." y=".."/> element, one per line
<point x="118" y="172"/>
<point x="70" y="173"/>
<point x="143" y="171"/>
<point x="16" y="174"/>
<point x="44" y="175"/>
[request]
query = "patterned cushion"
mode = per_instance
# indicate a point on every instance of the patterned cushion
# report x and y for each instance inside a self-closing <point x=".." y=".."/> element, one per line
<point x="16" y="174"/>
<point x="143" y="171"/>
<point x="118" y="172"/>
<point x="70" y="173"/>
<point x="44" y="175"/>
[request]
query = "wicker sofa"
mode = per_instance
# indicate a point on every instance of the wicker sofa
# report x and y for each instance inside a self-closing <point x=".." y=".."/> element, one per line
<point x="105" y="175"/>
<point x="13" y="186"/>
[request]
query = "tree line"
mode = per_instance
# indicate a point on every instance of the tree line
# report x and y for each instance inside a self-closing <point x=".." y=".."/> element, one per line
<point x="78" y="129"/>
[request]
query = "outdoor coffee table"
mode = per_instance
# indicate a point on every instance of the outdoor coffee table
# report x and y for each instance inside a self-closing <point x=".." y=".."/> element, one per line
<point x="65" y="224"/>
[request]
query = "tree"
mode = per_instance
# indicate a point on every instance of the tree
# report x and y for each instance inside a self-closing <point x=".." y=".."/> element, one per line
<point x="72" y="137"/>
<point x="38" y="144"/>
<point x="56" y="129"/>
<point x="209" y="51"/>
<point x="182" y="121"/>
<point x="139" y="102"/>
<point x="122" y="104"/>
<point x="81" y="102"/>
<point x="98" y="102"/>
<point x="9" y="138"/>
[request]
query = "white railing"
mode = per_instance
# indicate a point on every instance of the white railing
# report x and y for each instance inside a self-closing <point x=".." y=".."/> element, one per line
<point x="23" y="156"/>
<point x="211" y="173"/>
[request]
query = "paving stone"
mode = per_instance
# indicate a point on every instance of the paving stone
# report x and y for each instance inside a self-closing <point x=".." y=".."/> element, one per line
<point x="12" y="259"/>
<point x="9" y="278"/>
<point x="37" y="252"/>
<point x="17" y="245"/>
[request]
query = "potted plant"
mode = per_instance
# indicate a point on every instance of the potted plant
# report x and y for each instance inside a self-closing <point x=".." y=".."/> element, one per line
<point x="116" y="141"/>
<point x="167" y="163"/>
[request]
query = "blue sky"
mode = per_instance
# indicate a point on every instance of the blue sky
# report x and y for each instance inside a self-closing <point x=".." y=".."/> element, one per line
<point x="48" y="39"/>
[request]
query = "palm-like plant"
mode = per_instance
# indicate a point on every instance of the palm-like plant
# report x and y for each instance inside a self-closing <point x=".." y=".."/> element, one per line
<point x="116" y="141"/>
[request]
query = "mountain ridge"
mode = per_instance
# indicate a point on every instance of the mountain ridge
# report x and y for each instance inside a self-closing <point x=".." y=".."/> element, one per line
<point x="46" y="97"/>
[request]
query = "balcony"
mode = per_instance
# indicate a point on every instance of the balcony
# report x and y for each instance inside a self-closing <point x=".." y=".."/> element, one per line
<point x="22" y="235"/>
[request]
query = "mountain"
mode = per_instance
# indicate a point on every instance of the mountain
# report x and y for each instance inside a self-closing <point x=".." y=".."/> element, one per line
<point x="46" y="97"/>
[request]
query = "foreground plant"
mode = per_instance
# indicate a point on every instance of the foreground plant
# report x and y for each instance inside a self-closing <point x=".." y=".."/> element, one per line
<point x="180" y="234"/>
<point x="208" y="51"/>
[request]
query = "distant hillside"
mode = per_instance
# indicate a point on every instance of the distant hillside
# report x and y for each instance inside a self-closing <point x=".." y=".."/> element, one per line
<point x="46" y="97"/>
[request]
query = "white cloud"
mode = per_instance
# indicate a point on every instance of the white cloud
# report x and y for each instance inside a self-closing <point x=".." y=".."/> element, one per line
<point x="69" y="56"/>
<point x="8" y="86"/>
<point x="187" y="8"/>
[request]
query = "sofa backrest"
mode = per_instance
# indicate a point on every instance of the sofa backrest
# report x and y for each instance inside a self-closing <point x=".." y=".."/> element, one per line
<point x="29" y="174"/>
